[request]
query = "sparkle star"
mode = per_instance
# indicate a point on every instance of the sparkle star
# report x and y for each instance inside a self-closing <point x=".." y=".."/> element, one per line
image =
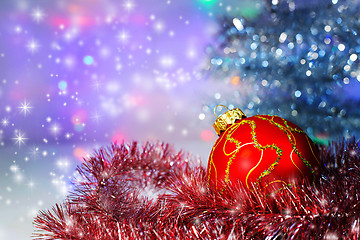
<point x="37" y="15"/>
<point x="33" y="46"/>
<point x="96" y="117"/>
<point x="25" y="107"/>
<point x="68" y="135"/>
<point x="19" y="138"/>
<point x="5" y="122"/>
<point x="123" y="37"/>
<point x="14" y="168"/>
<point x="129" y="5"/>
<point x="55" y="129"/>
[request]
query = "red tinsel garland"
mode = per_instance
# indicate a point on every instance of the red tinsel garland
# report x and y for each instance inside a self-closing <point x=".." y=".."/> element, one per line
<point x="155" y="193"/>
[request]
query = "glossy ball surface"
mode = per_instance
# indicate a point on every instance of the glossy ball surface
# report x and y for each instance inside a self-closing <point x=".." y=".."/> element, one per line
<point x="262" y="150"/>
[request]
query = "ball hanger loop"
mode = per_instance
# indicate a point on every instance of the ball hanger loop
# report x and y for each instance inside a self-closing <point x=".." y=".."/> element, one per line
<point x="219" y="105"/>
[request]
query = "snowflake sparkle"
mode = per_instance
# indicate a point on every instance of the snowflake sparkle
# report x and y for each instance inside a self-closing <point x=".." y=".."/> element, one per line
<point x="129" y="5"/>
<point x="32" y="46"/>
<point x="25" y="107"/>
<point x="37" y="15"/>
<point x="123" y="37"/>
<point x="19" y="138"/>
<point x="5" y="122"/>
<point x="55" y="129"/>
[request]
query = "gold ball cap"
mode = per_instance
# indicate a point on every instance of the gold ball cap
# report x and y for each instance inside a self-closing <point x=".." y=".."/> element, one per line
<point x="227" y="118"/>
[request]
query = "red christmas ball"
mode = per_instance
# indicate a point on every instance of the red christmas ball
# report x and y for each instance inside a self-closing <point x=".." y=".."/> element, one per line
<point x="262" y="150"/>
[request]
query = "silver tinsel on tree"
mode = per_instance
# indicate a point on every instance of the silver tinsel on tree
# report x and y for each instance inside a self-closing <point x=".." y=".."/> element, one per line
<point x="297" y="59"/>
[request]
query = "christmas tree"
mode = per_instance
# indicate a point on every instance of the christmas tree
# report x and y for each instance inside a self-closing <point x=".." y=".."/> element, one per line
<point x="296" y="59"/>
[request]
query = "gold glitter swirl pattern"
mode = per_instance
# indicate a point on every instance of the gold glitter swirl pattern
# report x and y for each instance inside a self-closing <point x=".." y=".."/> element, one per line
<point x="251" y="170"/>
<point x="257" y="145"/>
<point x="288" y="130"/>
<point x="227" y="171"/>
<point x="211" y="161"/>
<point x="312" y="151"/>
<point x="291" y="158"/>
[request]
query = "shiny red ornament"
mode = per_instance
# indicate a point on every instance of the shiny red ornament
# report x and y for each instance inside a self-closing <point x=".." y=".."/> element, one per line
<point x="261" y="150"/>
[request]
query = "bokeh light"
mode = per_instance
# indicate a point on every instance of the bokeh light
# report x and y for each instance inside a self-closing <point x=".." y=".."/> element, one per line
<point x="88" y="60"/>
<point x="80" y="153"/>
<point x="207" y="135"/>
<point x="62" y="85"/>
